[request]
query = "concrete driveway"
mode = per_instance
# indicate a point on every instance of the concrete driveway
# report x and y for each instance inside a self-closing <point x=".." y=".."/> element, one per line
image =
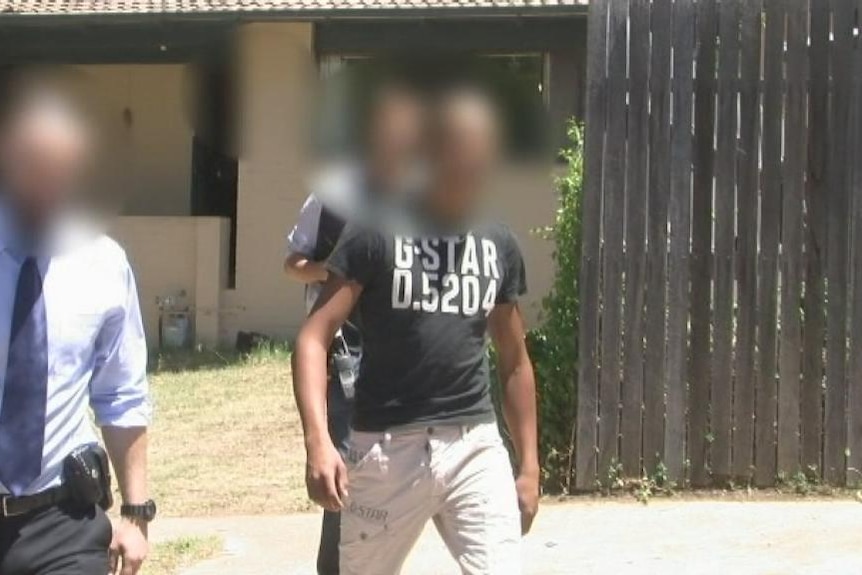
<point x="686" y="537"/>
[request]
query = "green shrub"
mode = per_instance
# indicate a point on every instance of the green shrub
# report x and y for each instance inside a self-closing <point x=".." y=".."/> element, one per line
<point x="553" y="346"/>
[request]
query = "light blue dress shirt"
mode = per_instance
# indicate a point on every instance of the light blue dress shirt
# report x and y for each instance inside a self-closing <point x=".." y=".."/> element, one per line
<point x="97" y="353"/>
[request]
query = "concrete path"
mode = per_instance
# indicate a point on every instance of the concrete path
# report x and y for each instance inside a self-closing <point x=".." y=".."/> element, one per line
<point x="594" y="537"/>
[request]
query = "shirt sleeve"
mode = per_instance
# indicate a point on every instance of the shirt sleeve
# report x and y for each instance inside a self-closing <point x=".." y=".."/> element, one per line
<point x="119" y="391"/>
<point x="302" y="239"/>
<point x="514" y="282"/>
<point x="357" y="255"/>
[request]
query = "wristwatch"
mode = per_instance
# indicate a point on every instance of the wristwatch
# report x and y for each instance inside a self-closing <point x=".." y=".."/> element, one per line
<point x="145" y="512"/>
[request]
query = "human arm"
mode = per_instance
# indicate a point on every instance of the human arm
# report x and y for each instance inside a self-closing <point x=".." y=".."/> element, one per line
<point x="519" y="403"/>
<point x="326" y="475"/>
<point x="301" y="242"/>
<point x="352" y="265"/>
<point x="303" y="269"/>
<point x="127" y="448"/>
<point x="119" y="397"/>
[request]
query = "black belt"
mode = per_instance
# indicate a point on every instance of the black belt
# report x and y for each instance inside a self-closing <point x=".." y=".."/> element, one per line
<point x="11" y="506"/>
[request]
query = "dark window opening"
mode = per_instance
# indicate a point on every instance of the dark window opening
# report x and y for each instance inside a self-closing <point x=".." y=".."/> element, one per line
<point x="214" y="158"/>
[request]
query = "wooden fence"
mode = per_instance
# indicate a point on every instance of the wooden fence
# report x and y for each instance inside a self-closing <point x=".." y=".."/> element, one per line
<point x="721" y="281"/>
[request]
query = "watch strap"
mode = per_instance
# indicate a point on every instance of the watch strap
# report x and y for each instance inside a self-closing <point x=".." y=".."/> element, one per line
<point x="145" y="511"/>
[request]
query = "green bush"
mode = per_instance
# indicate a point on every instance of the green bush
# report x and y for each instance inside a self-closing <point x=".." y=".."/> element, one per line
<point x="553" y="346"/>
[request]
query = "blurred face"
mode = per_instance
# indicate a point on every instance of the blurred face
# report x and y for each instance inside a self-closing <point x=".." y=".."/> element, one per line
<point x="396" y="135"/>
<point x="465" y="152"/>
<point x="43" y="151"/>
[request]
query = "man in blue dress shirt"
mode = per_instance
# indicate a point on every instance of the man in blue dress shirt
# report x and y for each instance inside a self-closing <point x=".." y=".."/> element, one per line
<point x="71" y="338"/>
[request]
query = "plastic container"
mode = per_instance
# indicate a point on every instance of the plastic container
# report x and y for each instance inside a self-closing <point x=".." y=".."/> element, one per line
<point x="175" y="330"/>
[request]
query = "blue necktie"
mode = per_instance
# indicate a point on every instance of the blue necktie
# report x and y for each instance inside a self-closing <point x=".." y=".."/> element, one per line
<point x="25" y="392"/>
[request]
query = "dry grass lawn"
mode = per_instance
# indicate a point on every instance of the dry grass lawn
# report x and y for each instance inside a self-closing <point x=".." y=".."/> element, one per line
<point x="169" y="557"/>
<point x="226" y="437"/>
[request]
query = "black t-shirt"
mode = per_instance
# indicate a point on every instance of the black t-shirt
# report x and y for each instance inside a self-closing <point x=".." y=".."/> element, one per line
<point x="424" y="308"/>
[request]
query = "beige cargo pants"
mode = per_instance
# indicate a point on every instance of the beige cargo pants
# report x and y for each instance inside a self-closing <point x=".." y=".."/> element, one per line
<point x="459" y="476"/>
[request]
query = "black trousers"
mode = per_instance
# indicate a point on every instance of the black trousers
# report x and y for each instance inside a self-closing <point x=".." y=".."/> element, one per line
<point x="338" y="410"/>
<point x="58" y="540"/>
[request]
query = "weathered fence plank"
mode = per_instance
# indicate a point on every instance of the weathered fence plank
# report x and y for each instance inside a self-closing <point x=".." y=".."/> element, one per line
<point x="635" y="233"/>
<point x="795" y="144"/>
<point x="659" y="191"/>
<point x="815" y="240"/>
<point x="587" y="424"/>
<point x="721" y="281"/>
<point x="748" y="192"/>
<point x="725" y="205"/>
<point x="854" y="405"/>
<point x="612" y="249"/>
<point x="840" y="170"/>
<point x="680" y="232"/>
<point x="770" y="223"/>
<point x="701" y="243"/>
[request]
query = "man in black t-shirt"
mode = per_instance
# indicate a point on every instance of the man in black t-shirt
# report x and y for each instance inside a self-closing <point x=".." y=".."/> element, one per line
<point x="425" y="444"/>
<point x="425" y="305"/>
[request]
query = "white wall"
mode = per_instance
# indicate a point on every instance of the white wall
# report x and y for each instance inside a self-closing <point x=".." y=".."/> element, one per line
<point x="145" y="165"/>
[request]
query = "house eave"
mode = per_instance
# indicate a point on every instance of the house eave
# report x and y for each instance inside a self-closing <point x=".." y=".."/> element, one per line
<point x="305" y="15"/>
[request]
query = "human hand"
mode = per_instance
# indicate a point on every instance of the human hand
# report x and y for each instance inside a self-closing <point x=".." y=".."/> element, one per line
<point x="527" y="485"/>
<point x="326" y="476"/>
<point x="129" y="546"/>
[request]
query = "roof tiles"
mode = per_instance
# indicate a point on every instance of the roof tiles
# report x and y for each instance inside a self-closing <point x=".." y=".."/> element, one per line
<point x="85" y="7"/>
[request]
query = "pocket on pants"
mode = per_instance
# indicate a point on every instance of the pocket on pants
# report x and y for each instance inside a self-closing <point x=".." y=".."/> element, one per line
<point x="485" y="435"/>
<point x="106" y="525"/>
<point x="94" y="556"/>
<point x="362" y="449"/>
<point x="94" y="563"/>
<point x="366" y="509"/>
<point x="362" y="522"/>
